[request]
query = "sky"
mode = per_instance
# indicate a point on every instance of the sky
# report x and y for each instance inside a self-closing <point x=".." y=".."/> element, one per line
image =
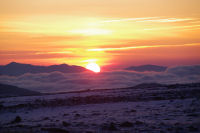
<point x="111" y="33"/>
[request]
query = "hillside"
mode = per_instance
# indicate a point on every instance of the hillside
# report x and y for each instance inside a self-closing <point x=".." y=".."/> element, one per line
<point x="12" y="91"/>
<point x="16" y="69"/>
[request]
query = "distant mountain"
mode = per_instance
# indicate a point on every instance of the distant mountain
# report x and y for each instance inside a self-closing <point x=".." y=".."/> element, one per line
<point x="144" y="68"/>
<point x="10" y="91"/>
<point x="148" y="85"/>
<point x="16" y="69"/>
<point x="169" y="86"/>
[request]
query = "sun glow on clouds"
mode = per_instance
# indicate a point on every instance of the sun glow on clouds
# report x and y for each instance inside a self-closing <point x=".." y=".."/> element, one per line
<point x="93" y="67"/>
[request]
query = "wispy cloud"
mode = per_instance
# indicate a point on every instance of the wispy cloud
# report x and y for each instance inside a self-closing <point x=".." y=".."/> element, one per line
<point x="35" y="54"/>
<point x="137" y="47"/>
<point x="150" y="19"/>
<point x="167" y="20"/>
<point x="128" y="19"/>
<point x="186" y="27"/>
<point x="55" y="52"/>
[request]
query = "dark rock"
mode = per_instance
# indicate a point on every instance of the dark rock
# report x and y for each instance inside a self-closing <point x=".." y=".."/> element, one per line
<point x="1" y="106"/>
<point x="65" y="124"/>
<point x="46" y="118"/>
<point x="178" y="129"/>
<point x="89" y="132"/>
<point x="162" y="132"/>
<point x="138" y="122"/>
<point x="133" y="110"/>
<point x="55" y="130"/>
<point x="193" y="115"/>
<point x="95" y="113"/>
<point x="17" y="119"/>
<point x="126" y="124"/>
<point x="169" y="129"/>
<point x="193" y="129"/>
<point x="77" y="115"/>
<point x="111" y="127"/>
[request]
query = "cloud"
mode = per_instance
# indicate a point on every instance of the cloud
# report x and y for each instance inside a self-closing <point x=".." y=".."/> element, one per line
<point x="60" y="82"/>
<point x="128" y="19"/>
<point x="40" y="38"/>
<point x="91" y="31"/>
<point x="137" y="47"/>
<point x="36" y="54"/>
<point x="167" y="20"/>
<point x="186" y="27"/>
<point x="150" y="19"/>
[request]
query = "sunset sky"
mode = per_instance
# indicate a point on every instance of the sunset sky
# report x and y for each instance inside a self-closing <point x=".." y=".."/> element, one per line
<point x="107" y="32"/>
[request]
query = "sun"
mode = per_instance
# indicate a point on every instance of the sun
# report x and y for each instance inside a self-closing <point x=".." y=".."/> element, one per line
<point x="93" y="67"/>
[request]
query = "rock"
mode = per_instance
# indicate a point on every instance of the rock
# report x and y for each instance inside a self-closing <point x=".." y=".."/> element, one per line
<point x="126" y="124"/>
<point x="65" y="124"/>
<point x="193" y="129"/>
<point x="133" y="110"/>
<point x="17" y="119"/>
<point x="110" y="126"/>
<point x="77" y="115"/>
<point x="138" y="122"/>
<point x="55" y="130"/>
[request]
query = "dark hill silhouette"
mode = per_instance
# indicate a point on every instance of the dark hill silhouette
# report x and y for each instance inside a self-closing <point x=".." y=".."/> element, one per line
<point x="147" y="85"/>
<point x="12" y="91"/>
<point x="16" y="69"/>
<point x="144" y="68"/>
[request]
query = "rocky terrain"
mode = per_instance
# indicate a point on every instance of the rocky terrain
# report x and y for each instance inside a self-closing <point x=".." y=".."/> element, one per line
<point x="142" y="108"/>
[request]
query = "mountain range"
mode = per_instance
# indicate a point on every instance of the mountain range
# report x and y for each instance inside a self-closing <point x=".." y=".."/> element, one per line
<point x="16" y="69"/>
<point x="144" y="68"/>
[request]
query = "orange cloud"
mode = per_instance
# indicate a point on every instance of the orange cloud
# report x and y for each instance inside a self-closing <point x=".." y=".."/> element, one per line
<point x="150" y="19"/>
<point x="137" y="47"/>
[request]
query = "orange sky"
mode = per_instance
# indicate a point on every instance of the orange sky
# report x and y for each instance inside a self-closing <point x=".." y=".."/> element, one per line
<point x="108" y="32"/>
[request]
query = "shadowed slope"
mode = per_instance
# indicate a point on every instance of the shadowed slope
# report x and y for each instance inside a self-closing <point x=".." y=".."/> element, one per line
<point x="9" y="91"/>
<point x="16" y="69"/>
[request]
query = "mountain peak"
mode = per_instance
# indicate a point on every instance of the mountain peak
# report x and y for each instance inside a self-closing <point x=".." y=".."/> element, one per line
<point x="12" y="63"/>
<point x="148" y="67"/>
<point x="16" y="63"/>
<point x="16" y="69"/>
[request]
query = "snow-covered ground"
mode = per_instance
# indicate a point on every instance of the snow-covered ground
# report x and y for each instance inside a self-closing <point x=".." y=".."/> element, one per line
<point x="148" y="109"/>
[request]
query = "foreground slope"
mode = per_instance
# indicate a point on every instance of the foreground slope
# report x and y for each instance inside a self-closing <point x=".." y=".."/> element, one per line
<point x="151" y="108"/>
<point x="12" y="91"/>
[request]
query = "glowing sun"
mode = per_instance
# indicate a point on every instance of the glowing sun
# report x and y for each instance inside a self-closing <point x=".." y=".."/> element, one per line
<point x="93" y="67"/>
